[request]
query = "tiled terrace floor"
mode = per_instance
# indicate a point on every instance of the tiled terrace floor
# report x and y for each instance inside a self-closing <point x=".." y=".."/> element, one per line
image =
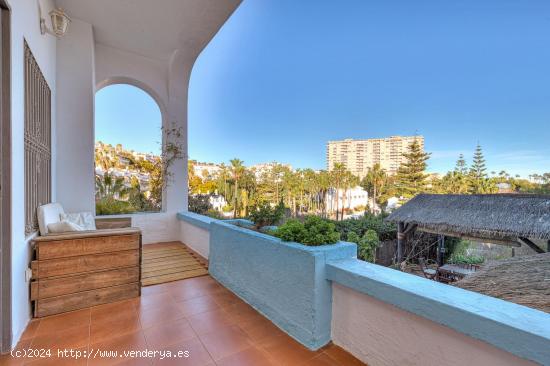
<point x="196" y="315"/>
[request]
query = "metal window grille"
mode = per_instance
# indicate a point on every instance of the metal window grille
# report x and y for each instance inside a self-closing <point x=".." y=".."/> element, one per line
<point x="37" y="141"/>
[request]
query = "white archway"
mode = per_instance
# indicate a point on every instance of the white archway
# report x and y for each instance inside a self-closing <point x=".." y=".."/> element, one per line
<point x="111" y="81"/>
<point x="138" y="84"/>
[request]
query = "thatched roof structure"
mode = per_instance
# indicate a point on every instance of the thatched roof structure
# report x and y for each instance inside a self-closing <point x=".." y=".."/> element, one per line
<point x="523" y="280"/>
<point x="505" y="217"/>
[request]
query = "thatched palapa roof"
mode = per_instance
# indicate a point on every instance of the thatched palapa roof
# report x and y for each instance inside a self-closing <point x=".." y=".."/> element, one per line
<point x="487" y="216"/>
<point x="523" y="280"/>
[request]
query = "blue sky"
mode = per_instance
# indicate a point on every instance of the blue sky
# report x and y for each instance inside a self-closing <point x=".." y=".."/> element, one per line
<point x="283" y="77"/>
<point x="127" y="115"/>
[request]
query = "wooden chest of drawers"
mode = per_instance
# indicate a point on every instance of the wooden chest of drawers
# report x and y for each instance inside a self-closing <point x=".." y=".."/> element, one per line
<point x="76" y="270"/>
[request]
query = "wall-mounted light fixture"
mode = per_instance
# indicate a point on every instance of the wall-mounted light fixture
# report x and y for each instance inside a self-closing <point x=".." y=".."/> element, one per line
<point x="60" y="22"/>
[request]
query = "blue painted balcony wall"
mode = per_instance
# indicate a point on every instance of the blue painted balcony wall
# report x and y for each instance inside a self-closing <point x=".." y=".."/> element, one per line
<point x="286" y="282"/>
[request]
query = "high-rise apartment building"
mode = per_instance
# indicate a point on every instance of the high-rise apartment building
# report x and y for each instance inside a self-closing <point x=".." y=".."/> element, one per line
<point x="360" y="155"/>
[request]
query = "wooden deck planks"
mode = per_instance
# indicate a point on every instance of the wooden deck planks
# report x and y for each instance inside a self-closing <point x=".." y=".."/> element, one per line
<point x="169" y="262"/>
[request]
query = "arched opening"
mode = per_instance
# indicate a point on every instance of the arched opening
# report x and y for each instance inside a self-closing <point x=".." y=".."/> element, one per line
<point x="128" y="145"/>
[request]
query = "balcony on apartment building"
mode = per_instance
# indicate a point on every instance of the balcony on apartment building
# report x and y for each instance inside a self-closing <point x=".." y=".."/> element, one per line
<point x="263" y="301"/>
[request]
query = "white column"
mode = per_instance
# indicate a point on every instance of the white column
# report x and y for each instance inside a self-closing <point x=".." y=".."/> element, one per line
<point x="75" y="119"/>
<point x="175" y="196"/>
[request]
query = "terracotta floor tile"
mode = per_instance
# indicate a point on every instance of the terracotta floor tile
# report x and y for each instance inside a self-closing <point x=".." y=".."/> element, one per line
<point x="225" y="341"/>
<point x="166" y="334"/>
<point x="198" y="315"/>
<point x="213" y="287"/>
<point x="197" y="354"/>
<point x="241" y="312"/>
<point x="225" y="298"/>
<point x="286" y="351"/>
<point x="75" y="337"/>
<point x="8" y="360"/>
<point x="135" y="362"/>
<point x="251" y="356"/>
<point x="202" y="281"/>
<point x="209" y="321"/>
<point x="322" y="360"/>
<point x="18" y="357"/>
<point x="191" y="288"/>
<point x="112" y="310"/>
<point x="78" y="358"/>
<point x="341" y="356"/>
<point x="56" y="323"/>
<point x="259" y="327"/>
<point x="155" y="289"/>
<point x="154" y="301"/>
<point x="197" y="305"/>
<point x="159" y="314"/>
<point x="113" y="326"/>
<point x="31" y="329"/>
<point x="187" y="293"/>
<point x="129" y="342"/>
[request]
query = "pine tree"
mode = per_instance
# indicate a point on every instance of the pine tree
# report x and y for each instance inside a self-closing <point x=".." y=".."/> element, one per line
<point x="461" y="166"/>
<point x="411" y="176"/>
<point x="478" y="169"/>
<point x="479" y="182"/>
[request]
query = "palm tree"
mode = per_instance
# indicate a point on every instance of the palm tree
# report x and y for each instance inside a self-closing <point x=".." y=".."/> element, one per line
<point x="108" y="186"/>
<point x="374" y="182"/>
<point x="323" y="184"/>
<point x="338" y="174"/>
<point x="349" y="181"/>
<point x="237" y="169"/>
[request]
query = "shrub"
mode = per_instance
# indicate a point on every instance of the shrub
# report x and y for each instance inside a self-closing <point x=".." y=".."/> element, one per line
<point x="466" y="259"/>
<point x="385" y="230"/>
<point x="199" y="203"/>
<point x="366" y="245"/>
<point x="111" y="206"/>
<point x="213" y="214"/>
<point x="227" y="208"/>
<point x="314" y="231"/>
<point x="265" y="215"/>
<point x="360" y="208"/>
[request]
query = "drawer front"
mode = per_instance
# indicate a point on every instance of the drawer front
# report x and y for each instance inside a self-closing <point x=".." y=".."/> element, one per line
<point x="76" y="247"/>
<point x="57" y="286"/>
<point x="64" y="303"/>
<point x="83" y="264"/>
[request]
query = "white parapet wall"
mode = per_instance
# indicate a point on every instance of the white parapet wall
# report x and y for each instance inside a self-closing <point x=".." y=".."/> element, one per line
<point x="156" y="227"/>
<point x="194" y="232"/>
<point x="379" y="333"/>
<point x="386" y="317"/>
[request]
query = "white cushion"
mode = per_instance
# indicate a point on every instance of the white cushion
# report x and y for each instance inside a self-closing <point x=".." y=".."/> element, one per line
<point x="48" y="214"/>
<point x="62" y="227"/>
<point x="83" y="219"/>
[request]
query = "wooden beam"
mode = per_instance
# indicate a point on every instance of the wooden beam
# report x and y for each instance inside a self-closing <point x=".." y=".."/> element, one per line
<point x="409" y="228"/>
<point x="509" y="243"/>
<point x="401" y="241"/>
<point x="440" y="249"/>
<point x="531" y="245"/>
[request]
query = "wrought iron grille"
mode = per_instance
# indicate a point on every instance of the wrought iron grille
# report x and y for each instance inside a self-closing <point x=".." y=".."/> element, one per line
<point x="37" y="141"/>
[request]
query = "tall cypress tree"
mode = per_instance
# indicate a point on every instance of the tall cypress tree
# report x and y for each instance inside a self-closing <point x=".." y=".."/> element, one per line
<point x="478" y="169"/>
<point x="411" y="176"/>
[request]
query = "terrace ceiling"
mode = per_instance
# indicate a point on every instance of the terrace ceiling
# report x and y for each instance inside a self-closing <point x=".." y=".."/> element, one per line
<point x="154" y="29"/>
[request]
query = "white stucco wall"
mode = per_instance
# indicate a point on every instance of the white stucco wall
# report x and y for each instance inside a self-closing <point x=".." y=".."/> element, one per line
<point x="195" y="237"/>
<point x="380" y="334"/>
<point x="114" y="66"/>
<point x="25" y="26"/>
<point x="179" y="72"/>
<point x="157" y="227"/>
<point x="167" y="82"/>
<point x="75" y="119"/>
